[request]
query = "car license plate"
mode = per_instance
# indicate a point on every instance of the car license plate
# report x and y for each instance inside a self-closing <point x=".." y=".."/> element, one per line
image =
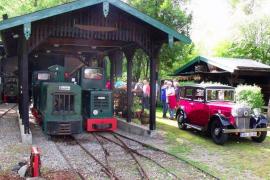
<point x="249" y="134"/>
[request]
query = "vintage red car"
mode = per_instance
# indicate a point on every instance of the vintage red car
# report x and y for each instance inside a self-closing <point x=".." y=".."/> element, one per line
<point x="211" y="108"/>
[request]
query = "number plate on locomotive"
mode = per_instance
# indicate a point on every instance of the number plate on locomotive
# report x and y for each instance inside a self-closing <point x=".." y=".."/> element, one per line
<point x="64" y="88"/>
<point x="250" y="134"/>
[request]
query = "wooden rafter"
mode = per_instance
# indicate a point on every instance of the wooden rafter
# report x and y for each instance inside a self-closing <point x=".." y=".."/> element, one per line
<point x="86" y="42"/>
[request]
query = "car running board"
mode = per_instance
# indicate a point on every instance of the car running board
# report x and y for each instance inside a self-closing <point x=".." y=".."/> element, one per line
<point x="199" y="128"/>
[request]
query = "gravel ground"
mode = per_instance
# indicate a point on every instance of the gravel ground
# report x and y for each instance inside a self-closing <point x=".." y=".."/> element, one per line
<point x="62" y="154"/>
<point x="125" y="167"/>
<point x="12" y="150"/>
<point x="51" y="158"/>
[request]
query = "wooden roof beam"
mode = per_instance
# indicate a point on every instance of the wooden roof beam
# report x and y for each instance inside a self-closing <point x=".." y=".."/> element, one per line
<point x="86" y="42"/>
<point x="72" y="48"/>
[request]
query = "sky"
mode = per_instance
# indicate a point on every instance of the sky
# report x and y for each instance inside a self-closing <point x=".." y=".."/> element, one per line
<point x="216" y="20"/>
<point x="211" y="23"/>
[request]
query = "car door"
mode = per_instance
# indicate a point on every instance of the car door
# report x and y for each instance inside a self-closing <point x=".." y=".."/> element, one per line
<point x="200" y="111"/>
<point x="186" y="103"/>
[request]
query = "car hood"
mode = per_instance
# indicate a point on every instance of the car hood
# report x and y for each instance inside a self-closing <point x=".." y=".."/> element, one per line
<point x="224" y="104"/>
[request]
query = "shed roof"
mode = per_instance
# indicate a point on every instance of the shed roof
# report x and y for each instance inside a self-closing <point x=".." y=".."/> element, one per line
<point x="228" y="64"/>
<point x="42" y="14"/>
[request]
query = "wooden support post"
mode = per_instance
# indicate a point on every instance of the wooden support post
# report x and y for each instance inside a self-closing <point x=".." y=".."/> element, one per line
<point x="19" y="87"/>
<point x="129" y="55"/>
<point x="24" y="102"/>
<point x="152" y="117"/>
<point x="112" y="62"/>
<point x="153" y="79"/>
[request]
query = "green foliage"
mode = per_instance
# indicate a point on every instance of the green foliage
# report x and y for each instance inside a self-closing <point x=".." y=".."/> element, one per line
<point x="252" y="42"/>
<point x="20" y="7"/>
<point x="169" y="13"/>
<point x="251" y="95"/>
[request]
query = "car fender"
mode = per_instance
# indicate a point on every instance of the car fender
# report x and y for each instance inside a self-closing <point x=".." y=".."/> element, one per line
<point x="224" y="121"/>
<point x="179" y="110"/>
<point x="262" y="120"/>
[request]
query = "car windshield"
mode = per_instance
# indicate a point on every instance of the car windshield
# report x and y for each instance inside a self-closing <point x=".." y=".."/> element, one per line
<point x="220" y="95"/>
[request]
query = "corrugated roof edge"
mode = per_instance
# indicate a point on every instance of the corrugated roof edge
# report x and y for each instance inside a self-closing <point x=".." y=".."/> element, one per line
<point x="46" y="13"/>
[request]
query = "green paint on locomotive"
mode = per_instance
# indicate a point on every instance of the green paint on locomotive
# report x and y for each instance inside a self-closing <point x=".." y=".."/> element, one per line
<point x="58" y="73"/>
<point x="37" y="78"/>
<point x="60" y="108"/>
<point x="97" y="100"/>
<point x="97" y="104"/>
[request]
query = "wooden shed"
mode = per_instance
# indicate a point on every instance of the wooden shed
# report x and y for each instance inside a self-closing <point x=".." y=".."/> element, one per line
<point x="229" y="71"/>
<point x="85" y="30"/>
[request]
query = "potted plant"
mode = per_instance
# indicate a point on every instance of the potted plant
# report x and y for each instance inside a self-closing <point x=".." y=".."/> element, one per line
<point x="137" y="107"/>
<point x="145" y="116"/>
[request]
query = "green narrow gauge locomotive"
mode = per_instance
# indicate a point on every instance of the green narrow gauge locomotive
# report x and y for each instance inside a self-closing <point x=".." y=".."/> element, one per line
<point x="10" y="89"/>
<point x="97" y="101"/>
<point x="56" y="103"/>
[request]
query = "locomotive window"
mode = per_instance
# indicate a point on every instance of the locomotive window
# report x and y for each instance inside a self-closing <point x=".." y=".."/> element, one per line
<point x="63" y="103"/>
<point x="95" y="74"/>
<point x="43" y="76"/>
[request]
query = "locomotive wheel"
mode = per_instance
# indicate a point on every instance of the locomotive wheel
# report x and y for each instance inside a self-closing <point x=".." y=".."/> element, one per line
<point x="180" y="121"/>
<point x="261" y="135"/>
<point x="216" y="132"/>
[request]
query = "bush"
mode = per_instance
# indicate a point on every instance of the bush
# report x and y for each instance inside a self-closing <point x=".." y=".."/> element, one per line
<point x="251" y="95"/>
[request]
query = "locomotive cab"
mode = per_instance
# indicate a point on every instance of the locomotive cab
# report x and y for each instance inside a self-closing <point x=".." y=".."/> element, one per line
<point x="37" y="78"/>
<point x="97" y="100"/>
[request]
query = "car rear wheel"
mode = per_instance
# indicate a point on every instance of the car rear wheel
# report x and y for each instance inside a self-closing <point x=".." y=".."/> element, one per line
<point x="261" y="135"/>
<point x="216" y="132"/>
<point x="180" y="120"/>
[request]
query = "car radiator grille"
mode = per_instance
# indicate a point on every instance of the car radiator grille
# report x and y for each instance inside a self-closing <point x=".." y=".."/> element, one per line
<point x="242" y="122"/>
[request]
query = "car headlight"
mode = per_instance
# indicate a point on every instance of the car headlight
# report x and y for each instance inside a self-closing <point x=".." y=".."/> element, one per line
<point x="257" y="111"/>
<point x="234" y="112"/>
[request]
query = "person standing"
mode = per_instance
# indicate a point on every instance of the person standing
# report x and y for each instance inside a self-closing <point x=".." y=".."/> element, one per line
<point x="146" y="94"/>
<point x="177" y="90"/>
<point x="170" y="93"/>
<point x="163" y="99"/>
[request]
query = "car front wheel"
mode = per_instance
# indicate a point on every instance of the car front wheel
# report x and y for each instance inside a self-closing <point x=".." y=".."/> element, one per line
<point x="261" y="135"/>
<point x="216" y="132"/>
<point x="180" y="121"/>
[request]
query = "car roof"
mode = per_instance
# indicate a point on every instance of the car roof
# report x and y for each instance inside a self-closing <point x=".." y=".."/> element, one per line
<point x="209" y="86"/>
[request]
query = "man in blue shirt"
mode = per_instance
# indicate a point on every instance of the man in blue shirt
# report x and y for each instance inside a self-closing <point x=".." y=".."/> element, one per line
<point x="163" y="99"/>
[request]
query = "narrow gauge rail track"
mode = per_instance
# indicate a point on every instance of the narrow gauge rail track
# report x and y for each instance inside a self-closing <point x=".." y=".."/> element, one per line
<point x="140" y="167"/>
<point x="69" y="163"/>
<point x="164" y="152"/>
<point x="105" y="168"/>
<point x="7" y="111"/>
<point x="131" y="151"/>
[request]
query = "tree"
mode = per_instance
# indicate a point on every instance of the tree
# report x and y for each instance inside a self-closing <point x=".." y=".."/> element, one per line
<point x="253" y="42"/>
<point x="169" y="13"/>
<point x="20" y="7"/>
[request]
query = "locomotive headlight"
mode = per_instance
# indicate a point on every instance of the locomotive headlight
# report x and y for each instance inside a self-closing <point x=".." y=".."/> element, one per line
<point x="95" y="112"/>
<point x="257" y="112"/>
